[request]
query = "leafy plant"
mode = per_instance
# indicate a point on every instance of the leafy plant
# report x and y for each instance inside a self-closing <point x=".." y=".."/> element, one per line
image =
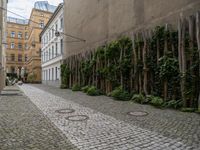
<point x="156" y="101"/>
<point x="139" y="98"/>
<point x="173" y="104"/>
<point x="188" y="109"/>
<point x="65" y="72"/>
<point x="119" y="94"/>
<point x="76" y="87"/>
<point x="85" y="88"/>
<point x="168" y="68"/>
<point x="93" y="91"/>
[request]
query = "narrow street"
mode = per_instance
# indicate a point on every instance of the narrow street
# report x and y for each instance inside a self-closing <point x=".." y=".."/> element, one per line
<point x="24" y="126"/>
<point x="44" y="117"/>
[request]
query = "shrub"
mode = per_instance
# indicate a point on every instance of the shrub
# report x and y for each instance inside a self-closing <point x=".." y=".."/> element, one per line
<point x="188" y="109"/>
<point x="173" y="104"/>
<point x="85" y="88"/>
<point x="62" y="86"/>
<point x="31" y="77"/>
<point x="139" y="98"/>
<point x="198" y="111"/>
<point x="119" y="94"/>
<point x="93" y="91"/>
<point x="156" y="101"/>
<point x="76" y="87"/>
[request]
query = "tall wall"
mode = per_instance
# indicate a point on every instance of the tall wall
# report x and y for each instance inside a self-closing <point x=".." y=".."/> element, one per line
<point x="97" y="21"/>
<point x="3" y="14"/>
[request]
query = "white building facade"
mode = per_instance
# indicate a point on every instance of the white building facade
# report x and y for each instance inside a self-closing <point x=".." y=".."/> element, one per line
<point x="52" y="48"/>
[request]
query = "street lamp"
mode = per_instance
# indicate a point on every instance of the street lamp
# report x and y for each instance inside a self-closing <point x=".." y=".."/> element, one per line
<point x="57" y="34"/>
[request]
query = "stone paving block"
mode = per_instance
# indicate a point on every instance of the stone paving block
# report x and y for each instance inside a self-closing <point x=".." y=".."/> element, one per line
<point x="100" y="128"/>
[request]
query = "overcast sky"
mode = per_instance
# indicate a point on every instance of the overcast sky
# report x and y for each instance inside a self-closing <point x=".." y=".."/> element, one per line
<point x="24" y="7"/>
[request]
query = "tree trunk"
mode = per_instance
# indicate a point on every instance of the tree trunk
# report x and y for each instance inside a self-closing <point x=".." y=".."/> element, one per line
<point x="158" y="51"/>
<point x="198" y="43"/>
<point x="121" y="75"/>
<point x="135" y="68"/>
<point x="145" y="65"/>
<point x="165" y="53"/>
<point x="191" y="47"/>
<point x="182" y="65"/>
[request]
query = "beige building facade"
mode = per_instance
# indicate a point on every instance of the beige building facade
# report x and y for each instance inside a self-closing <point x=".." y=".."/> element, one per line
<point x="3" y="14"/>
<point x="23" y="42"/>
<point x="17" y="31"/>
<point x="98" y="21"/>
<point x="39" y="19"/>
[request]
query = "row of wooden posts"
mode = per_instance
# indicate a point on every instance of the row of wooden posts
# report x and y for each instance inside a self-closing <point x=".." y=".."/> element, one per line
<point x="143" y="81"/>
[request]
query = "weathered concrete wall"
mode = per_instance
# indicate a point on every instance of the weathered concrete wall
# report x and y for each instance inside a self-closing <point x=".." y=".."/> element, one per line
<point x="97" y="21"/>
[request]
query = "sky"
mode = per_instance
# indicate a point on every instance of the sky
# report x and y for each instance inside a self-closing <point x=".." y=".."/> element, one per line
<point x="24" y="7"/>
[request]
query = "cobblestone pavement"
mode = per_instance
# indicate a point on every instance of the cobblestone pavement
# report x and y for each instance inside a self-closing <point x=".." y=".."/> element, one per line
<point x="24" y="127"/>
<point x="103" y="131"/>
<point x="169" y="123"/>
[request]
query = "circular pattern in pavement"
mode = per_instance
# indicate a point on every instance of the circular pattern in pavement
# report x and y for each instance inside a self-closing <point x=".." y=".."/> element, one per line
<point x="65" y="111"/>
<point x="138" y="113"/>
<point x="77" y="118"/>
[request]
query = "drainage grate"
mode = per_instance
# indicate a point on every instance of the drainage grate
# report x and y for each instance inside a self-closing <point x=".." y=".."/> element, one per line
<point x="77" y="118"/>
<point x="138" y="113"/>
<point x="65" y="111"/>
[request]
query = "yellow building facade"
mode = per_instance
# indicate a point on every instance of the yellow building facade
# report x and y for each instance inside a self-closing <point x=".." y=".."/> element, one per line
<point x="38" y="19"/>
<point x="23" y="43"/>
<point x="17" y="31"/>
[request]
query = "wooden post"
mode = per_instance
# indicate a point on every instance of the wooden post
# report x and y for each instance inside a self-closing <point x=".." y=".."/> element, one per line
<point x="145" y="64"/>
<point x="198" y="43"/>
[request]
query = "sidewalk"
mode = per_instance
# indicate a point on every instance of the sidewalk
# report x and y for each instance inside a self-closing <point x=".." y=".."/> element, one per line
<point x="24" y="127"/>
<point x="110" y="127"/>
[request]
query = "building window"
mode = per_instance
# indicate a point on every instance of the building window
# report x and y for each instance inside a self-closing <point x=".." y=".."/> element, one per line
<point x="20" y="46"/>
<point x="52" y="73"/>
<point x="56" y="49"/>
<point x="26" y="57"/>
<point x="49" y="74"/>
<point x="20" y="58"/>
<point x="12" y="34"/>
<point x="40" y="51"/>
<point x="56" y="70"/>
<point x="61" y="23"/>
<point x="12" y="69"/>
<point x="52" y="32"/>
<point x="53" y="55"/>
<point x="56" y="26"/>
<point x="49" y="34"/>
<point x="26" y="46"/>
<point x="12" y="46"/>
<point x="26" y="35"/>
<point x="41" y="24"/>
<point x="19" y="35"/>
<point x="12" y="57"/>
<point x="49" y="54"/>
<point x="46" y="55"/>
<point x="47" y="39"/>
<point x="61" y="46"/>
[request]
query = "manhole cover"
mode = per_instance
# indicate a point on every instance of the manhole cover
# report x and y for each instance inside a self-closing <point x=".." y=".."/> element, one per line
<point x="77" y="118"/>
<point x="138" y="113"/>
<point x="65" y="111"/>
